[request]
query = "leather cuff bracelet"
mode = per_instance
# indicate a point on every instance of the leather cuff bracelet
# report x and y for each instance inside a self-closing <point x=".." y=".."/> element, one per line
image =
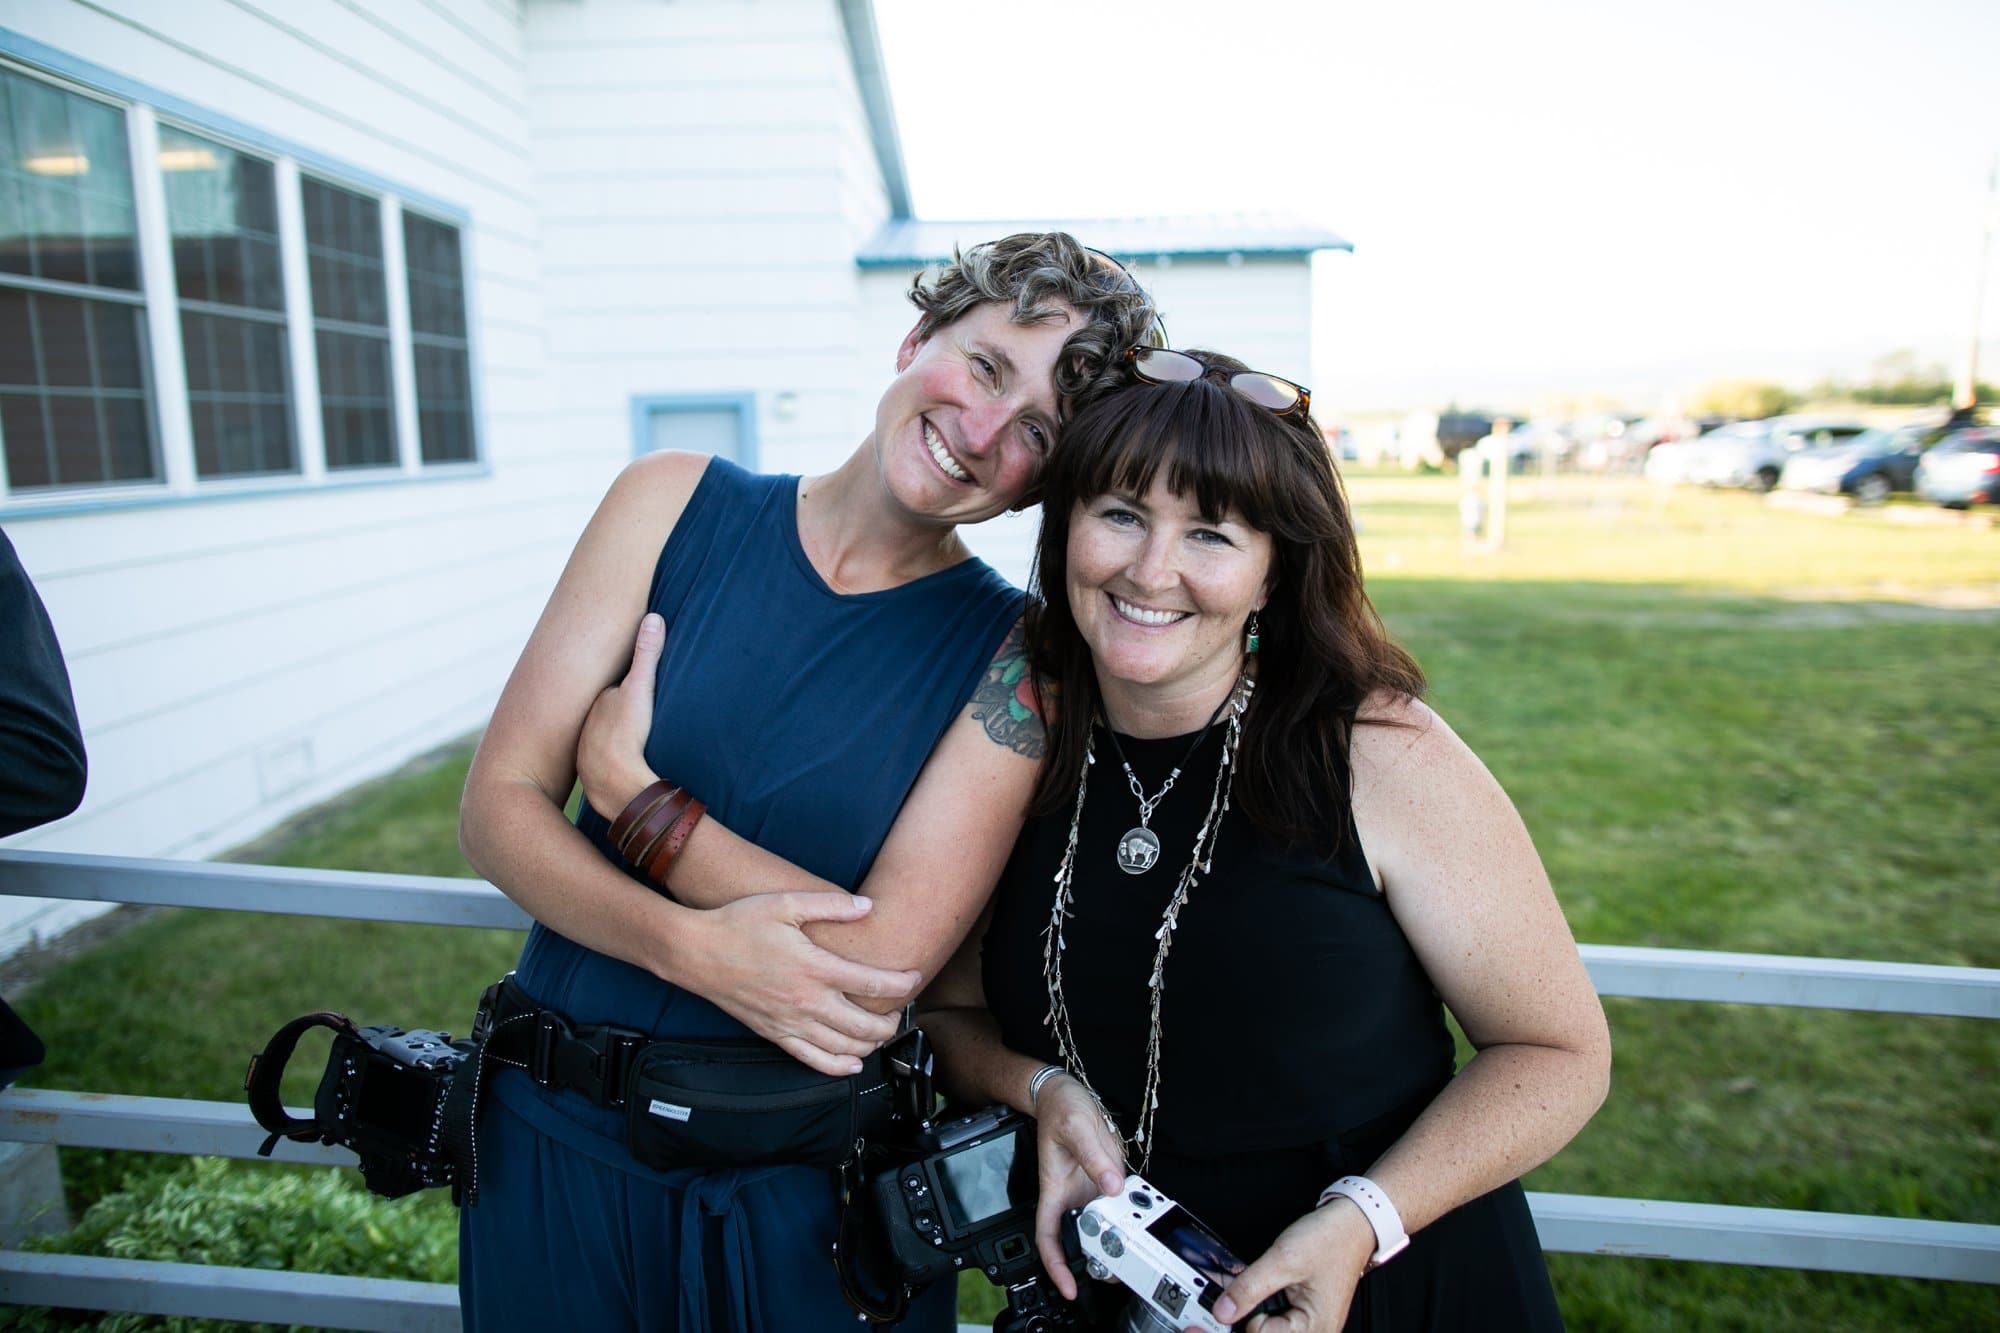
<point x="637" y="809"/>
<point x="662" y="862"/>
<point x="654" y="830"/>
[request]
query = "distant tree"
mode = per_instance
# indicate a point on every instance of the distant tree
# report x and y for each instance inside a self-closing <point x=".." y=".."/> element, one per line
<point x="1900" y="379"/>
<point x="1744" y="399"/>
<point x="1896" y="380"/>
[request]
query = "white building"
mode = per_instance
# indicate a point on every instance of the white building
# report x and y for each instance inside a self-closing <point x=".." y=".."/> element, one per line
<point x="323" y="328"/>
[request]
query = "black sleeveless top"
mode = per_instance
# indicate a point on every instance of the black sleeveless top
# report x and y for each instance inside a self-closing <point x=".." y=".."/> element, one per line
<point x="1287" y="971"/>
<point x="1283" y="961"/>
<point x="1300" y="1034"/>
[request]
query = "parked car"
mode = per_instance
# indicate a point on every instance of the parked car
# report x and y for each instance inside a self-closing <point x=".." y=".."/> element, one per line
<point x="1753" y="454"/>
<point x="1869" y="467"/>
<point x="1962" y="469"/>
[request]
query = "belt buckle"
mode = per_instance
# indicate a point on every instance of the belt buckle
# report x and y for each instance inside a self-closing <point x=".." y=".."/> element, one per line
<point x="612" y="1049"/>
<point x="550" y="1029"/>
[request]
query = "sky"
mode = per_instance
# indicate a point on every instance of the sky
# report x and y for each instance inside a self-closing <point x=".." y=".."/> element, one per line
<point x="1546" y="198"/>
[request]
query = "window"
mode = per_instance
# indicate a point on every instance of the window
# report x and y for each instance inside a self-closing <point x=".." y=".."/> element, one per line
<point x="437" y="335"/>
<point x="721" y="424"/>
<point x="73" y="359"/>
<point x="227" y="261"/>
<point x="222" y="215"/>
<point x="350" y="301"/>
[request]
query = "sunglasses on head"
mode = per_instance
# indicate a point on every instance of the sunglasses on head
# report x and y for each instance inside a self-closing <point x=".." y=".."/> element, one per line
<point x="1160" y="365"/>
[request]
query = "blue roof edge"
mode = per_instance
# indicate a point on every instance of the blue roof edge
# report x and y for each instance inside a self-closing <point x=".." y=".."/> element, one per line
<point x="864" y="52"/>
<point x="901" y="242"/>
<point x="1219" y="252"/>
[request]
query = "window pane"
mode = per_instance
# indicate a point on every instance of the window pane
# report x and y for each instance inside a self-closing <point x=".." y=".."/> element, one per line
<point x="222" y="215"/>
<point x="75" y="401"/>
<point x="128" y="440"/>
<point x="27" y="440"/>
<point x="222" y="209"/>
<point x="65" y="341"/>
<point x="79" y="445"/>
<point x="445" y="404"/>
<point x="344" y="233"/>
<point x="16" y="255"/>
<point x="68" y="214"/>
<point x="437" y="287"/>
<point x="437" y="327"/>
<point x="17" y="343"/>
<point x="114" y="337"/>
<point x="354" y="400"/>
<point x="239" y="395"/>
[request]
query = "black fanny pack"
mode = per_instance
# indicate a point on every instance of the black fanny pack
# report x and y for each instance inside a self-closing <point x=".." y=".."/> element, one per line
<point x="744" y="1102"/>
<point x="693" y="1102"/>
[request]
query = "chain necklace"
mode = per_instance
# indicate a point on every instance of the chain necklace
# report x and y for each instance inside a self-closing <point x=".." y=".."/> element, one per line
<point x="1053" y="943"/>
<point x="1139" y="849"/>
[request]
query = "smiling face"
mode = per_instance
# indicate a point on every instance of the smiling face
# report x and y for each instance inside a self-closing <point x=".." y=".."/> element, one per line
<point x="1161" y="596"/>
<point x="962" y="432"/>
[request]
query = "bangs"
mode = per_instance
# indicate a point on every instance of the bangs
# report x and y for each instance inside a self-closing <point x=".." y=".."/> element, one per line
<point x="1212" y="444"/>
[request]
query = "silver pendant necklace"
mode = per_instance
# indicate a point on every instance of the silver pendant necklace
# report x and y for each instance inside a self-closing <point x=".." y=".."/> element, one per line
<point x="1054" y="944"/>
<point x="1139" y="849"/>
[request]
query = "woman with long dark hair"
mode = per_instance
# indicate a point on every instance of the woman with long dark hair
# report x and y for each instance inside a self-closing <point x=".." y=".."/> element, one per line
<point x="1259" y="871"/>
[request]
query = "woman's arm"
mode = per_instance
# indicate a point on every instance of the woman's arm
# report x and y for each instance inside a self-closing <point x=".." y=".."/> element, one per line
<point x="1078" y="1155"/>
<point x="942" y="856"/>
<point x="752" y="958"/>
<point x="1465" y="884"/>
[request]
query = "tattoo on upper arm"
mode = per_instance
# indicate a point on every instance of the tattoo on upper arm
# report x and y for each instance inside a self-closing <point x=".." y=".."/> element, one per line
<point x="1004" y="700"/>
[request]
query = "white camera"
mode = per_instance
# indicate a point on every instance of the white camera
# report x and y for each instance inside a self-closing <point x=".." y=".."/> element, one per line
<point x="1171" y="1263"/>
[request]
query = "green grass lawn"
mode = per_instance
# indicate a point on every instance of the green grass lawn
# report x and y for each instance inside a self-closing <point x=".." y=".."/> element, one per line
<point x="1727" y="726"/>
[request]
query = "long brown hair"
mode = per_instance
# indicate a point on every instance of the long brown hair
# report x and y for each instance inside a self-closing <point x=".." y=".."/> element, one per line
<point x="1322" y="648"/>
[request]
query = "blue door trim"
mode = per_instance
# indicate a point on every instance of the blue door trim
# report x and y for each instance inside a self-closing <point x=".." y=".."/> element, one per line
<point x="743" y="404"/>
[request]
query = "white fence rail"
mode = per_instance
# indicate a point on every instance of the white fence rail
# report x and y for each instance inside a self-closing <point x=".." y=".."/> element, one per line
<point x="1569" y="1223"/>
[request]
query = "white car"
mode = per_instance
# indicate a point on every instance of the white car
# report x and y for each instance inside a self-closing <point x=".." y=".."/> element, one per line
<point x="1753" y="454"/>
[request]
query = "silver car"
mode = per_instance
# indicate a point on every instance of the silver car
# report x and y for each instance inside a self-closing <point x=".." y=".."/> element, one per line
<point x="1753" y="454"/>
<point x="1962" y="469"/>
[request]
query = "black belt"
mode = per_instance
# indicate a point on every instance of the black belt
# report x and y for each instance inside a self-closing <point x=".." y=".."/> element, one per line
<point x="591" y="1059"/>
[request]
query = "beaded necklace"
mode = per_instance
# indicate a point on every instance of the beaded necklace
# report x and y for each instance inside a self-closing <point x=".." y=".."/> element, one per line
<point x="1053" y="943"/>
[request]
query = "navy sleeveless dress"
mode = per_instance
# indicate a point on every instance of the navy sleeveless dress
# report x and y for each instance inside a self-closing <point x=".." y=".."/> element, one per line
<point x="801" y="717"/>
<point x="1300" y="1033"/>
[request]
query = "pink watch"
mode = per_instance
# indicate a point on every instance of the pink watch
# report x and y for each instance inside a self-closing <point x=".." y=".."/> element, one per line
<point x="1390" y="1238"/>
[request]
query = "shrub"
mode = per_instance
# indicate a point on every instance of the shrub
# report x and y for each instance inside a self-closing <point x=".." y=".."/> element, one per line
<point x="212" y="1211"/>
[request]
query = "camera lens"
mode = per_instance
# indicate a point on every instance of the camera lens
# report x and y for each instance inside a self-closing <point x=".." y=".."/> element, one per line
<point x="1140" y="1317"/>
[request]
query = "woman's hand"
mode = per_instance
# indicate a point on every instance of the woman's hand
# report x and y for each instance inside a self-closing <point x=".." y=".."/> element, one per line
<point x="1316" y="1261"/>
<point x="1079" y="1158"/>
<point x="758" y="966"/>
<point x="611" y="752"/>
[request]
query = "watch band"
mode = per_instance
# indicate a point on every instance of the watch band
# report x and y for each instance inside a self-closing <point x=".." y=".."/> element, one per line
<point x="1387" y="1224"/>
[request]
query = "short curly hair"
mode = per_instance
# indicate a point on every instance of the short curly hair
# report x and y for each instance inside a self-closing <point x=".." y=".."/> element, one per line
<point x="1030" y="272"/>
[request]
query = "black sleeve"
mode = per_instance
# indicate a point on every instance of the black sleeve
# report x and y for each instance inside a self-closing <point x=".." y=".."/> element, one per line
<point x="41" y="746"/>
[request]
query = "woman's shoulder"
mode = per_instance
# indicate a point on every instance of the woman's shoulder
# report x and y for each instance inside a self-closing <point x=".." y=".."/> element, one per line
<point x="667" y="476"/>
<point x="1402" y="742"/>
<point x="653" y="491"/>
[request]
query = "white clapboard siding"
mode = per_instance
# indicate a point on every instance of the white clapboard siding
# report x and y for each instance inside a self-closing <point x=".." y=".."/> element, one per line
<point x="699" y="226"/>
<point x="236" y="658"/>
<point x="657" y="199"/>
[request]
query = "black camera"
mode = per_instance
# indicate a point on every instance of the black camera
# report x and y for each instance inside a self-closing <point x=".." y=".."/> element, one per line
<point x="961" y="1197"/>
<point x="382" y="1095"/>
<point x="965" y="1200"/>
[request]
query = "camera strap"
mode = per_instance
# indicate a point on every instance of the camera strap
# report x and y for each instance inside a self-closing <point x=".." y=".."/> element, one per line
<point x="857" y="1246"/>
<point x="267" y="1070"/>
